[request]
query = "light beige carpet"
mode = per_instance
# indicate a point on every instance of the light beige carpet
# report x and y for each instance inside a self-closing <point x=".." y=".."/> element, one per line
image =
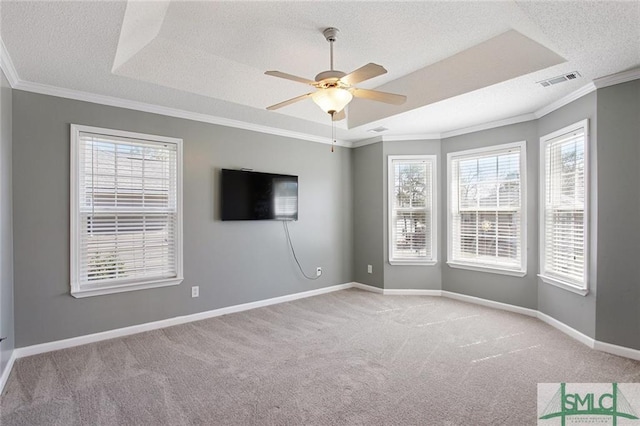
<point x="344" y="358"/>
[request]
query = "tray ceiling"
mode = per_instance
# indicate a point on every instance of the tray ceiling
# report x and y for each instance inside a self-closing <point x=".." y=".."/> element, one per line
<point x="460" y="63"/>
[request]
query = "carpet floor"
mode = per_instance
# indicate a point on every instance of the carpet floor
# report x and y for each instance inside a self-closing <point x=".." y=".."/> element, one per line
<point x="344" y="358"/>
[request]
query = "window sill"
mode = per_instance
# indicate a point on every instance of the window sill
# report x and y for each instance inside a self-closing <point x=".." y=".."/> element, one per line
<point x="121" y="288"/>
<point x="482" y="268"/>
<point x="413" y="262"/>
<point x="564" y="285"/>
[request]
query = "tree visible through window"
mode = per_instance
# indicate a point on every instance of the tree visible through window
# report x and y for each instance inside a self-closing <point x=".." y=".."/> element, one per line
<point x="411" y="212"/>
<point x="563" y="215"/>
<point x="126" y="214"/>
<point x="486" y="207"/>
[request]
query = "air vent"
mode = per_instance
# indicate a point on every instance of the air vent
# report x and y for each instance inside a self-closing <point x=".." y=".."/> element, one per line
<point x="559" y="79"/>
<point x="379" y="129"/>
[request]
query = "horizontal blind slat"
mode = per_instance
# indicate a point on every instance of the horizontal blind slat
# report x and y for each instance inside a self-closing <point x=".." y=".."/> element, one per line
<point x="411" y="201"/>
<point x="564" y="234"/>
<point x="486" y="200"/>
<point x="128" y="208"/>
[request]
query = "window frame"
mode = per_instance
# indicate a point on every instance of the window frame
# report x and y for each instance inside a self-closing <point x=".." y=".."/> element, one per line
<point x="433" y="160"/>
<point x="478" y="266"/>
<point x="78" y="290"/>
<point x="583" y="289"/>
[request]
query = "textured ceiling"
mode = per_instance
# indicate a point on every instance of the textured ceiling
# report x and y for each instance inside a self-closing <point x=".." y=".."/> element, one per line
<point x="209" y="57"/>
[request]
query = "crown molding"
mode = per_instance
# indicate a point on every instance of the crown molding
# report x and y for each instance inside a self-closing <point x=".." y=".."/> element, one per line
<point x="565" y="100"/>
<point x="7" y="65"/>
<point x="599" y="83"/>
<point x="395" y="138"/>
<point x="369" y="141"/>
<point x="77" y="95"/>
<point x="44" y="89"/>
<point x="416" y="137"/>
<point x="491" y="125"/>
<point x="619" y="78"/>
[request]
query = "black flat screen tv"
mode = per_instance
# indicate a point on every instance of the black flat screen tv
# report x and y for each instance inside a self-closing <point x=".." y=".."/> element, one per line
<point x="248" y="195"/>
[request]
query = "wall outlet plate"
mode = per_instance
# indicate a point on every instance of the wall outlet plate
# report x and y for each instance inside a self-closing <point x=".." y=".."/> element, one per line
<point x="195" y="291"/>
<point x="370" y="269"/>
<point x="318" y="271"/>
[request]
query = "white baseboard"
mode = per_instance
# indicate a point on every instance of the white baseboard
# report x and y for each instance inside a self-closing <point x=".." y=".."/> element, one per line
<point x="367" y="287"/>
<point x="4" y="377"/>
<point x="617" y="350"/>
<point x="127" y="331"/>
<point x="410" y="292"/>
<point x="490" y="303"/>
<point x="396" y="292"/>
<point x="569" y="331"/>
<point x="558" y="325"/>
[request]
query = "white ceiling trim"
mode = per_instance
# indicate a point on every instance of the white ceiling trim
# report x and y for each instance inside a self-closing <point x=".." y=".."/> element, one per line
<point x="397" y="138"/>
<point x="364" y="142"/>
<point x="418" y="137"/>
<point x="16" y="83"/>
<point x="45" y="89"/>
<point x="565" y="100"/>
<point x="621" y="77"/>
<point x="7" y="65"/>
<point x="491" y="125"/>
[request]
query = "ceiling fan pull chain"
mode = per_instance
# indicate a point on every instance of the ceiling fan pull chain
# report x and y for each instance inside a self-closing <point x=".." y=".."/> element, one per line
<point x="333" y="131"/>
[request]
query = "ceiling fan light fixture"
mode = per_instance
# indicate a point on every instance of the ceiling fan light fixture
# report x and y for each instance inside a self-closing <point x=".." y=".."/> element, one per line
<point x="332" y="99"/>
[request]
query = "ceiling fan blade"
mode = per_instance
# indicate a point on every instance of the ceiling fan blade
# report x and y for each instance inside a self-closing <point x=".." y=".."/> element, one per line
<point x="288" y="102"/>
<point x="290" y="77"/>
<point x="374" y="95"/>
<point x="338" y="116"/>
<point x="363" y="73"/>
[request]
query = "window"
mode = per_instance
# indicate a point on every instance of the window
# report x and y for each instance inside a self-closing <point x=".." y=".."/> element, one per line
<point x="563" y="214"/>
<point x="486" y="215"/>
<point x="412" y="209"/>
<point x="126" y="211"/>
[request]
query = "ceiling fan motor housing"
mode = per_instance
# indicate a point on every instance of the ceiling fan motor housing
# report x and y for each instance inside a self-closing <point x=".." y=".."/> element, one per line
<point x="329" y="78"/>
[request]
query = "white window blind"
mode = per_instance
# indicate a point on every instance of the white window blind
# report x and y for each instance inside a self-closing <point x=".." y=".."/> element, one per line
<point x="412" y="209"/>
<point x="127" y="211"/>
<point x="563" y="216"/>
<point x="486" y="227"/>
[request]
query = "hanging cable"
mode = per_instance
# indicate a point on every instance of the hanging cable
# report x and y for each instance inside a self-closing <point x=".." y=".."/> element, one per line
<point x="286" y="231"/>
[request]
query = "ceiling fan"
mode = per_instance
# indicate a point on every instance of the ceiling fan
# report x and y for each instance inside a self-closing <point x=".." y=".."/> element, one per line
<point x="335" y="88"/>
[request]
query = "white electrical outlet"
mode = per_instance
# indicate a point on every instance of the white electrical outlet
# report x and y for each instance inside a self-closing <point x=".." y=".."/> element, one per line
<point x="318" y="271"/>
<point x="195" y="291"/>
<point x="370" y="269"/>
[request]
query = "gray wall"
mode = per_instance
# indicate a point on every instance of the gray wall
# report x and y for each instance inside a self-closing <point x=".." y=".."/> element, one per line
<point x="572" y="309"/>
<point x="368" y="208"/>
<point x="519" y="291"/>
<point x="342" y="226"/>
<point x="618" y="302"/>
<point x="6" y="243"/>
<point x="370" y="219"/>
<point x="409" y="276"/>
<point x="232" y="262"/>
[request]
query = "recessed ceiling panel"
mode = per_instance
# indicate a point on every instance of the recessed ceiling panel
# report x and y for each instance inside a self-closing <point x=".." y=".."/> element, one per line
<point x="141" y="25"/>
<point x="501" y="58"/>
<point x="208" y="57"/>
